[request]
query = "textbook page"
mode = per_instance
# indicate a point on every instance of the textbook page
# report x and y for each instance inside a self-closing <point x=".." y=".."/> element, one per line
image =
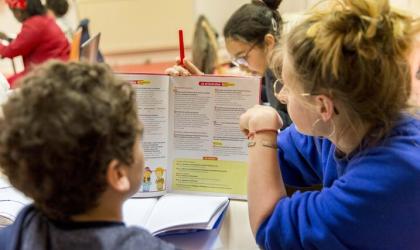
<point x="185" y="213"/>
<point x="152" y="98"/>
<point x="136" y="211"/>
<point x="207" y="149"/>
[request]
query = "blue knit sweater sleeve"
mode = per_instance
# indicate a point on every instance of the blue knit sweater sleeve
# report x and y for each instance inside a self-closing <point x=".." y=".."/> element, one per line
<point x="373" y="204"/>
<point x="301" y="157"/>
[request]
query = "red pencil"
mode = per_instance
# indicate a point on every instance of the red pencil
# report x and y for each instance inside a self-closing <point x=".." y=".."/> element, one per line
<point x="181" y="47"/>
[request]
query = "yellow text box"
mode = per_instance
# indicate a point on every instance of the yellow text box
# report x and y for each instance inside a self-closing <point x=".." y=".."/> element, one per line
<point x="210" y="176"/>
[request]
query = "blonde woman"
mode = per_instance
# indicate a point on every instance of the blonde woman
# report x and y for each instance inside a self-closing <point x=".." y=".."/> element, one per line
<point x="347" y="82"/>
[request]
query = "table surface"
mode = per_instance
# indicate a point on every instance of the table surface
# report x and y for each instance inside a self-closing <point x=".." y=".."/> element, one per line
<point x="234" y="233"/>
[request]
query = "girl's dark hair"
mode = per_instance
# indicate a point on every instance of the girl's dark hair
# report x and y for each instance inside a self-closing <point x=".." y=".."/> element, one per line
<point x="251" y="22"/>
<point x="59" y="7"/>
<point x="35" y="8"/>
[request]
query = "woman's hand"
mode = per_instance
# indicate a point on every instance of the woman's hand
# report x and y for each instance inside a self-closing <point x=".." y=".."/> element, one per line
<point x="183" y="70"/>
<point x="265" y="183"/>
<point x="260" y="118"/>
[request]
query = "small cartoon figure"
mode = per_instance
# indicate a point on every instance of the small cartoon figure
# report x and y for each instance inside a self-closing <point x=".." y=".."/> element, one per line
<point x="146" y="179"/>
<point x="160" y="181"/>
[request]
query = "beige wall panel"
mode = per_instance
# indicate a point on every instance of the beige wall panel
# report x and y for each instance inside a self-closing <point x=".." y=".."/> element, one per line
<point x="133" y="25"/>
<point x="217" y="11"/>
<point x="8" y="23"/>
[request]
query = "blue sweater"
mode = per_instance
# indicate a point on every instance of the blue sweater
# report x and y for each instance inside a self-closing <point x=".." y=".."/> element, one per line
<point x="371" y="200"/>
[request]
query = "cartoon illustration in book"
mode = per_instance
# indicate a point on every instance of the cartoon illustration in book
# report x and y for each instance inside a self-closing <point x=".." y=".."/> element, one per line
<point x="160" y="181"/>
<point x="146" y="179"/>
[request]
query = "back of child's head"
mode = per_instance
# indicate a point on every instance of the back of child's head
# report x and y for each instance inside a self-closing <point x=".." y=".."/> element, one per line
<point x="251" y="22"/>
<point x="60" y="131"/>
<point x="58" y="7"/>
<point x="355" y="51"/>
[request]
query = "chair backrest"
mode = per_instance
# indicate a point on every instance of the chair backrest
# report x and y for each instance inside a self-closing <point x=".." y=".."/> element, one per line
<point x="90" y="48"/>
<point x="75" y="46"/>
<point x="205" y="46"/>
<point x="84" y="25"/>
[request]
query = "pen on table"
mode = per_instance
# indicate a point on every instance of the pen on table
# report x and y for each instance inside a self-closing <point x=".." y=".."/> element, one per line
<point x="181" y="47"/>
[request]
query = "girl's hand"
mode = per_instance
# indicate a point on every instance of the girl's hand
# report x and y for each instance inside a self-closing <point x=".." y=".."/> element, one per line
<point x="183" y="70"/>
<point x="260" y="118"/>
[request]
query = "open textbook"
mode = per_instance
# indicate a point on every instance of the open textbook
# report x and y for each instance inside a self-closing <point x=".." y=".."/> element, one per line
<point x="192" y="141"/>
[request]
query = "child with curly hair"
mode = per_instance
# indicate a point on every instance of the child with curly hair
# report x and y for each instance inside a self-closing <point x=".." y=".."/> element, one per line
<point x="70" y="140"/>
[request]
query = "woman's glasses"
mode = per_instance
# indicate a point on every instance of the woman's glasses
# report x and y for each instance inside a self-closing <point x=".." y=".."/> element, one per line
<point x="278" y="87"/>
<point x="242" y="60"/>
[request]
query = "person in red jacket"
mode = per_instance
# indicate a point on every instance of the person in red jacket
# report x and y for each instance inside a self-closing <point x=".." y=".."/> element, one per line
<point x="40" y="38"/>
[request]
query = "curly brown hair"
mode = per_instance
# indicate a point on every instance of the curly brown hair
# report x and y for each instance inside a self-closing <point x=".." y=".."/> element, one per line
<point x="60" y="131"/>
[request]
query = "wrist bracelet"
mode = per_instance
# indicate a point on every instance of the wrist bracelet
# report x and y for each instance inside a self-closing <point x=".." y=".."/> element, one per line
<point x="251" y="134"/>
<point x="263" y="143"/>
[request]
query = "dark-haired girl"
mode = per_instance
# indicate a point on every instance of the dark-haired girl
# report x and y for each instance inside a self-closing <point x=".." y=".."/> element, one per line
<point x="251" y="34"/>
<point x="40" y="38"/>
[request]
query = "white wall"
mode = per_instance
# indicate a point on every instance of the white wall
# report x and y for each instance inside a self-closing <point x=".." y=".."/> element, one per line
<point x="8" y="23"/>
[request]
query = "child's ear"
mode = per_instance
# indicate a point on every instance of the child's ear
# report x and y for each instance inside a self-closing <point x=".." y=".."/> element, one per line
<point x="269" y="42"/>
<point x="117" y="176"/>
